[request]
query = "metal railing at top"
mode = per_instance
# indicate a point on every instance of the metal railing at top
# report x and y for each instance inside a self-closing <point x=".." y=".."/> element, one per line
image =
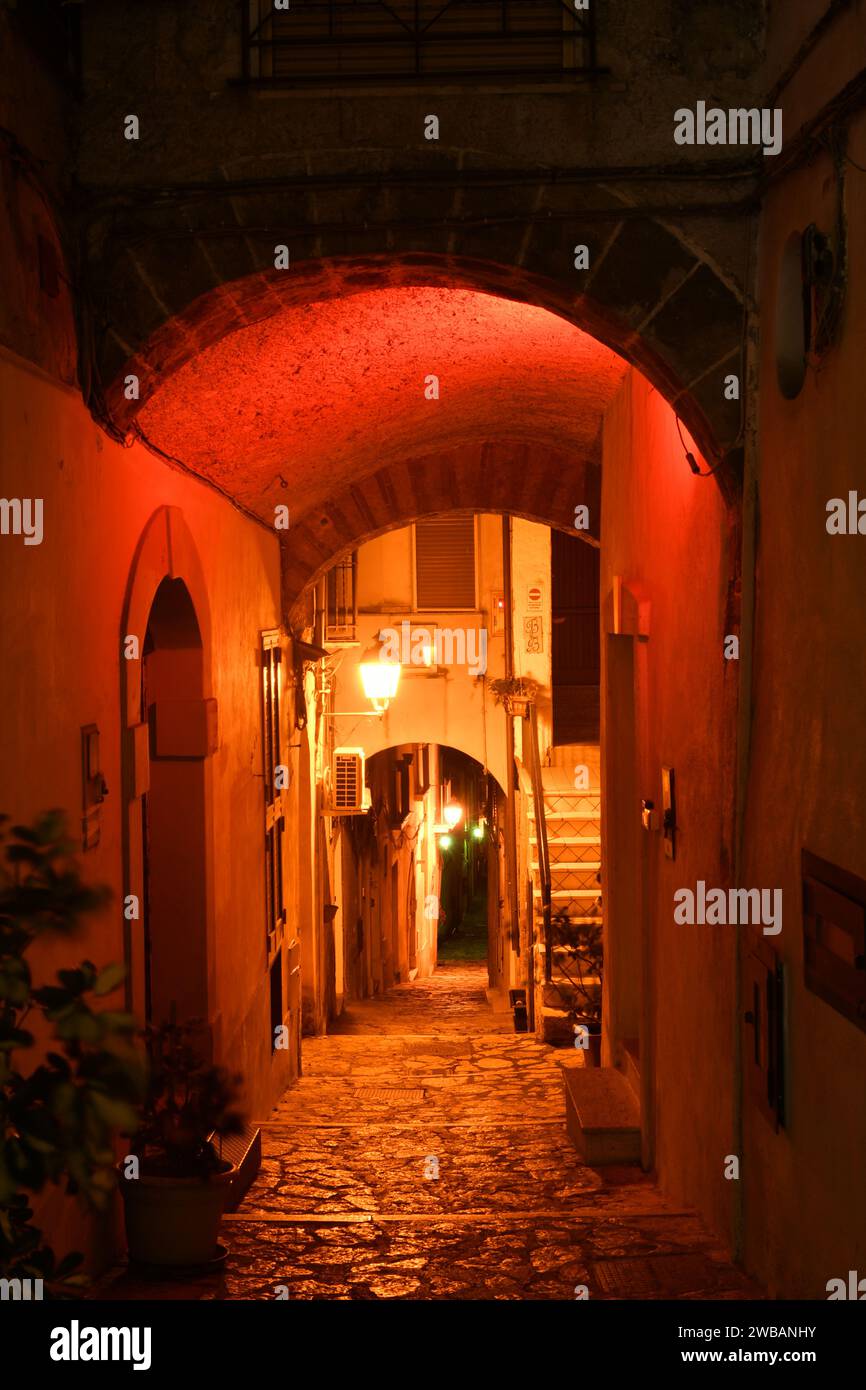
<point x="330" y="41"/>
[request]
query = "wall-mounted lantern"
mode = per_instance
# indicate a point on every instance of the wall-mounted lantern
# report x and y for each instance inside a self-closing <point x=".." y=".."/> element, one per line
<point x="453" y="813"/>
<point x="380" y="677"/>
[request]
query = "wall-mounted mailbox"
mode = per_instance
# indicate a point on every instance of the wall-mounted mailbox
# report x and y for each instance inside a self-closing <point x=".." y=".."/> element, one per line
<point x="184" y="728"/>
<point x="834" y="937"/>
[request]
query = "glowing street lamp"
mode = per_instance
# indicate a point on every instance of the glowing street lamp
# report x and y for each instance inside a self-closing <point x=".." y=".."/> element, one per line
<point x="380" y="677"/>
<point x="478" y="832"/>
<point x="453" y="813"/>
<point x="445" y="841"/>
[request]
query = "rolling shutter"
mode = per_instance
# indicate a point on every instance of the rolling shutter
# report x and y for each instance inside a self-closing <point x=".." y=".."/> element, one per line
<point x="445" y="562"/>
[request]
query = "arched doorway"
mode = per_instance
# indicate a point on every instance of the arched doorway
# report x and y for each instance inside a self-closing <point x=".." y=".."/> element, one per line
<point x="174" y="842"/>
<point x="169" y="734"/>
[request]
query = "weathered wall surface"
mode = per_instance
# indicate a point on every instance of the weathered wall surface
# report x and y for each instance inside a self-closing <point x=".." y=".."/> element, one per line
<point x="61" y="606"/>
<point x="353" y="181"/>
<point x="665" y="534"/>
<point x="452" y="707"/>
<point x="808" y="761"/>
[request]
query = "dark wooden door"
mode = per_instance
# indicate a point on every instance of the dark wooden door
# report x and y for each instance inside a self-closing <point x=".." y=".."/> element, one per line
<point x="575" y="570"/>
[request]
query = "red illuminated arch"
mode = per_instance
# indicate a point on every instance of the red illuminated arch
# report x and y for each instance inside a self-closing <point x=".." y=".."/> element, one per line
<point x="665" y="341"/>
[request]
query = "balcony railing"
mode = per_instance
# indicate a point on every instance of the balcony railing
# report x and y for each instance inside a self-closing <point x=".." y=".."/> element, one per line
<point x="340" y="41"/>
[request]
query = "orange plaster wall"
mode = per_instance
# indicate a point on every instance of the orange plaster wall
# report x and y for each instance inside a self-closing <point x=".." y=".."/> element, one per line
<point x="61" y="607"/>
<point x="805" y="1199"/>
<point x="665" y="533"/>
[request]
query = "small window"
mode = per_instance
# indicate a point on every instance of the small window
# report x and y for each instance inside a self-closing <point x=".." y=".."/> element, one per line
<point x="342" y="600"/>
<point x="348" y="40"/>
<point x="445" y="562"/>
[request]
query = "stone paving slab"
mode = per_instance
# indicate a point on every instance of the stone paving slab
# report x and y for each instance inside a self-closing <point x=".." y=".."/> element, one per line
<point x="343" y="1207"/>
<point x="481" y="1260"/>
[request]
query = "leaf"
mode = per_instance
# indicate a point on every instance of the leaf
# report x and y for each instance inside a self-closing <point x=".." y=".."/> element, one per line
<point x="22" y="854"/>
<point x="116" y="1020"/>
<point x="109" y="978"/>
<point x="114" y="1114"/>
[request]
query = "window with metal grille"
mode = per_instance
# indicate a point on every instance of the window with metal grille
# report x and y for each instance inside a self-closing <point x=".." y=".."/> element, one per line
<point x="358" y="40"/>
<point x="445" y="562"/>
<point x="275" y="793"/>
<point x="341" y="616"/>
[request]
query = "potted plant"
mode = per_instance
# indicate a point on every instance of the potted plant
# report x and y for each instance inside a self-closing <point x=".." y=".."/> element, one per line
<point x="515" y="693"/>
<point x="174" y="1181"/>
<point x="585" y="974"/>
<point x="60" y="1107"/>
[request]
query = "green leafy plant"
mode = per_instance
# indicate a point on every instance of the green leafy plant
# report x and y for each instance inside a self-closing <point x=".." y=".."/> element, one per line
<point x="585" y="966"/>
<point x="188" y="1101"/>
<point x="57" y="1117"/>
<point x="508" y="688"/>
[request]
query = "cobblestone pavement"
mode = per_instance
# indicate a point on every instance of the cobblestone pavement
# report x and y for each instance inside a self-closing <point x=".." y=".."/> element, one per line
<point x="429" y="1081"/>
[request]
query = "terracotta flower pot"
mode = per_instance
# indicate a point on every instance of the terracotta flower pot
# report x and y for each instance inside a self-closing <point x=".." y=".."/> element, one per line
<point x="174" y="1221"/>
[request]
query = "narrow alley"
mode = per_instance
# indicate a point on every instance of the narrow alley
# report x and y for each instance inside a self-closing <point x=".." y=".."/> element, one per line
<point x="426" y="1081"/>
<point x="432" y="648"/>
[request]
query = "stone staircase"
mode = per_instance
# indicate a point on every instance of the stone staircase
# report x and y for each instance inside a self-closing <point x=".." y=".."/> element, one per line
<point x="573" y="820"/>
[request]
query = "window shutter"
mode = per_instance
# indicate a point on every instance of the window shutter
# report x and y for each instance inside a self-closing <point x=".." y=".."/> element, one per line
<point x="445" y="562"/>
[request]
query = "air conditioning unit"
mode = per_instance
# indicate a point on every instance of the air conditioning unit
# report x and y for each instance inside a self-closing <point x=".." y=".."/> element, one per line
<point x="349" y="796"/>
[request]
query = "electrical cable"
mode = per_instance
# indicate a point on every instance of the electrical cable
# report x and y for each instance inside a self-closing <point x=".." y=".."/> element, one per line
<point x="690" y="458"/>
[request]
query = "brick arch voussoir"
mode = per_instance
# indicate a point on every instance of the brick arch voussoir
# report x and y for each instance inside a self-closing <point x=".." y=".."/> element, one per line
<point x="527" y="480"/>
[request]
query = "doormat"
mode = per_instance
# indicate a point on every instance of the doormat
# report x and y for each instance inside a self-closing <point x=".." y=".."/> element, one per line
<point x="670" y="1274"/>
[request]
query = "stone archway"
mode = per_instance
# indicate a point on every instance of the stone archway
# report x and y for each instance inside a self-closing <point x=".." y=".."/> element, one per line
<point x="647" y="295"/>
<point x="533" y="481"/>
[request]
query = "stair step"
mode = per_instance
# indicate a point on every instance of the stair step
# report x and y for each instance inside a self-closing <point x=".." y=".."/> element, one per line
<point x="589" y="982"/>
<point x="572" y="865"/>
<point x="571" y="893"/>
<point x="568" y="839"/>
<point x="587" y="797"/>
<point x="602" y="1115"/>
<point x="559" y="781"/>
<point x="554" y="1026"/>
<point x="575" y="920"/>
